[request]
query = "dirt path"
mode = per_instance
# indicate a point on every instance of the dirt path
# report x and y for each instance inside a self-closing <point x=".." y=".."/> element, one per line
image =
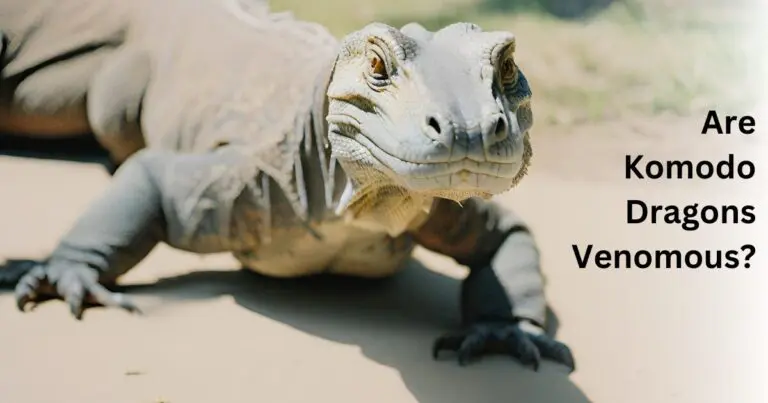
<point x="210" y="334"/>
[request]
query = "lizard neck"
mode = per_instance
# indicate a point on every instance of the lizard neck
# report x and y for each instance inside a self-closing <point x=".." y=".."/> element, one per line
<point x="361" y="200"/>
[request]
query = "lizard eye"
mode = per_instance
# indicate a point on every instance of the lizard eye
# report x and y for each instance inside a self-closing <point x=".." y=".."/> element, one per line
<point x="378" y="68"/>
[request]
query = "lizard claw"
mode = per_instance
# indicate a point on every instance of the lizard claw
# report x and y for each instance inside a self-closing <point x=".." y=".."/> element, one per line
<point x="78" y="285"/>
<point x="504" y="338"/>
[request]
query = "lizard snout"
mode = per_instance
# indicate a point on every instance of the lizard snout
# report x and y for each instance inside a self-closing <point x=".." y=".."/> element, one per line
<point x="474" y="137"/>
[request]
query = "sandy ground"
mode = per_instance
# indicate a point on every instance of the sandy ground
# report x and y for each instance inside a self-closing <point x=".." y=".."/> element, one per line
<point x="213" y="334"/>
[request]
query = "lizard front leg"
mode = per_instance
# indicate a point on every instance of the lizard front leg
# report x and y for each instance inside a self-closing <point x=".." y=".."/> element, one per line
<point x="148" y="201"/>
<point x="503" y="307"/>
<point x="116" y="232"/>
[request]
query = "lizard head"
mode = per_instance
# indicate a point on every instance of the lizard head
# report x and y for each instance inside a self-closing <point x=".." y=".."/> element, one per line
<point x="414" y="115"/>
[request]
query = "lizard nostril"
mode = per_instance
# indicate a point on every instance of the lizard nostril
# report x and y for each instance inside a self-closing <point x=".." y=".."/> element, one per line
<point x="432" y="122"/>
<point x="497" y="132"/>
<point x="500" y="130"/>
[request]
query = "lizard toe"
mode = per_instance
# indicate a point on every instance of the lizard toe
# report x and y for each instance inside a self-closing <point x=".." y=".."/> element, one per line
<point x="78" y="285"/>
<point x="449" y="342"/>
<point x="520" y="346"/>
<point x="468" y="345"/>
<point x="472" y="348"/>
<point x="30" y="286"/>
<point x="554" y="350"/>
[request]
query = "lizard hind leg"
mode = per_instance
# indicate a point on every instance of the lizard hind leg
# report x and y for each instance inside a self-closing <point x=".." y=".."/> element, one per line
<point x="114" y="103"/>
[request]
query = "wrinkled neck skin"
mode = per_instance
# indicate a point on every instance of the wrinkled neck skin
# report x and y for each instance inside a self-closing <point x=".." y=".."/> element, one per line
<point x="373" y="200"/>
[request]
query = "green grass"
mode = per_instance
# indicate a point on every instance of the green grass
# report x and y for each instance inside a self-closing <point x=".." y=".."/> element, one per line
<point x="633" y="58"/>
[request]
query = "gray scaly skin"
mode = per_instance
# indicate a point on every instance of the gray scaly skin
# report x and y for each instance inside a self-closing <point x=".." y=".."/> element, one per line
<point x="264" y="136"/>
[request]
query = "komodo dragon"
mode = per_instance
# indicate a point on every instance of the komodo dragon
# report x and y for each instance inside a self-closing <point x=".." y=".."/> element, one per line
<point x="261" y="135"/>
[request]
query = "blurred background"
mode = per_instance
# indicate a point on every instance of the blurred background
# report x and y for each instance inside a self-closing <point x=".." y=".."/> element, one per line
<point x="595" y="60"/>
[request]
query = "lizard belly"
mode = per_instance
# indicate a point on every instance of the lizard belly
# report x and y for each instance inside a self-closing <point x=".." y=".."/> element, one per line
<point x="341" y="249"/>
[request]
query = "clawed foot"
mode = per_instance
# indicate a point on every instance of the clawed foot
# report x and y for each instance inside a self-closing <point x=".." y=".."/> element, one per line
<point x="77" y="284"/>
<point x="504" y="338"/>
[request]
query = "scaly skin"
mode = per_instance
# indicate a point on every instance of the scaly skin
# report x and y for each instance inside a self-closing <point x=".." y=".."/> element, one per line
<point x="263" y="136"/>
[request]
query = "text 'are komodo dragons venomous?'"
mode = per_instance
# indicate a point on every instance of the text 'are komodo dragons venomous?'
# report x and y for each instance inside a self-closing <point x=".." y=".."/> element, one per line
<point x="239" y="130"/>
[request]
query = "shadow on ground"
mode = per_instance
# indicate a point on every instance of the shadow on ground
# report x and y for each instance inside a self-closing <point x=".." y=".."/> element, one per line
<point x="393" y="321"/>
<point x="83" y="148"/>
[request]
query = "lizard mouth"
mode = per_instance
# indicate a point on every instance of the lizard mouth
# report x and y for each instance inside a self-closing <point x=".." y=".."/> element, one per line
<point x="460" y="174"/>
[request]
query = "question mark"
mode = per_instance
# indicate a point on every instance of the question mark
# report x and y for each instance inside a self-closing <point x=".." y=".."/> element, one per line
<point x="751" y="249"/>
